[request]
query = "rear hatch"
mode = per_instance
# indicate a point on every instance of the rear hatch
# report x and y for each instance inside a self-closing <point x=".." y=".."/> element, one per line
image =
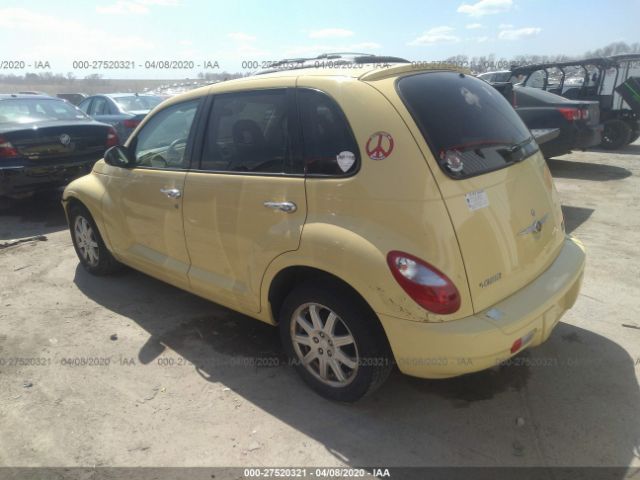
<point x="495" y="183"/>
<point x="58" y="140"/>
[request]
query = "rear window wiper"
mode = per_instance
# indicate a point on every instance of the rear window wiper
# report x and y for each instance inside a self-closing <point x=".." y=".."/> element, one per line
<point x="517" y="148"/>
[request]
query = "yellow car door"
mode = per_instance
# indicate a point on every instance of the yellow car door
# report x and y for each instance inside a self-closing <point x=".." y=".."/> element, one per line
<point x="246" y="203"/>
<point x="143" y="208"/>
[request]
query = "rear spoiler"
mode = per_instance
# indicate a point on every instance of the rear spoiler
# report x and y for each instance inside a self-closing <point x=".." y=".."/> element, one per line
<point x="393" y="70"/>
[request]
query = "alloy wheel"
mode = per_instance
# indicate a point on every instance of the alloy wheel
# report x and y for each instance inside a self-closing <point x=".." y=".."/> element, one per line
<point x="324" y="344"/>
<point x="86" y="240"/>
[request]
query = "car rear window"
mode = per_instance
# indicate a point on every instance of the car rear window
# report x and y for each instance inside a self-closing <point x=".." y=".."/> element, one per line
<point x="468" y="124"/>
<point x="138" y="102"/>
<point x="32" y="110"/>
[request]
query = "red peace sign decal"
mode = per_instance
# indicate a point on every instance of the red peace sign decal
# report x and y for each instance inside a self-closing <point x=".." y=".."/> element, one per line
<point x="379" y="145"/>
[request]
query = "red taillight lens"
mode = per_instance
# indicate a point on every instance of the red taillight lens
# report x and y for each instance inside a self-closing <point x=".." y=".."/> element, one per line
<point x="112" y="138"/>
<point x="7" y="150"/>
<point x="571" y="114"/>
<point x="425" y="284"/>
<point x="129" y="123"/>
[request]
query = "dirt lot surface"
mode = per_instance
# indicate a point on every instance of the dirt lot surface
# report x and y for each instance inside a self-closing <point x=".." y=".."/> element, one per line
<point x="173" y="379"/>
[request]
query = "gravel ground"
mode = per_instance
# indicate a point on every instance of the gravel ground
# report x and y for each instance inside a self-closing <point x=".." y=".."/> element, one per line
<point x="172" y="381"/>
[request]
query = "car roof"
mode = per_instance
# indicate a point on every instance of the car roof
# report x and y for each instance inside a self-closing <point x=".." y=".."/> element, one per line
<point x="133" y="94"/>
<point x="8" y="96"/>
<point x="361" y="72"/>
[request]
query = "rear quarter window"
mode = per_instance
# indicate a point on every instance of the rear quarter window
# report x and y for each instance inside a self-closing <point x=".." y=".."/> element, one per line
<point x="329" y="147"/>
<point x="469" y="126"/>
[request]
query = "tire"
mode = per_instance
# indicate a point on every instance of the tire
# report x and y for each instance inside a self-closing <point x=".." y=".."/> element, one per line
<point x="90" y="248"/>
<point x="634" y="136"/>
<point x="616" y="134"/>
<point x="354" y="369"/>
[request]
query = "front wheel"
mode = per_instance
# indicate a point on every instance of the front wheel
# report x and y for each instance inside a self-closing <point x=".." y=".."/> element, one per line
<point x="334" y="342"/>
<point x="90" y="248"/>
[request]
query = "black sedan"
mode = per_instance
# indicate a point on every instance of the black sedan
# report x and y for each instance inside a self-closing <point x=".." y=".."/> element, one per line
<point x="578" y="121"/>
<point x="45" y="143"/>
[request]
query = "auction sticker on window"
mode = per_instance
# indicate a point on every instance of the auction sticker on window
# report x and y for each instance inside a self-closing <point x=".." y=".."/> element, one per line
<point x="477" y="200"/>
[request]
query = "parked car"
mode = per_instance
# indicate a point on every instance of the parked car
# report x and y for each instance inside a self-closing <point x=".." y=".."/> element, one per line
<point x="603" y="80"/>
<point x="45" y="142"/>
<point x="122" y="110"/>
<point x="374" y="214"/>
<point x="499" y="76"/>
<point x="33" y="92"/>
<point x="73" y="98"/>
<point x="578" y="121"/>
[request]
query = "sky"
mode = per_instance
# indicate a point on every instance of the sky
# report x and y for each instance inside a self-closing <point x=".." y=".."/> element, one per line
<point x="234" y="35"/>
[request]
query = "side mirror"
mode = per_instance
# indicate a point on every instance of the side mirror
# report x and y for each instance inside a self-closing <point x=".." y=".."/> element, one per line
<point x="117" y="156"/>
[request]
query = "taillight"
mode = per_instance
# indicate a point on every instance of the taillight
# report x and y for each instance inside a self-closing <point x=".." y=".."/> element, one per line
<point x="425" y="284"/>
<point x="7" y="150"/>
<point x="112" y="138"/>
<point x="129" y="123"/>
<point x="571" y="114"/>
<point x="584" y="113"/>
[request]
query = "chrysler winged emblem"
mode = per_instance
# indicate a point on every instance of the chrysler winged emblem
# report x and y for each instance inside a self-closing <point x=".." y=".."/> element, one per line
<point x="535" y="227"/>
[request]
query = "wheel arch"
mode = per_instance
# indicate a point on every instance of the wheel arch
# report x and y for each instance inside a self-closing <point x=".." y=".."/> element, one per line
<point x="87" y="192"/>
<point x="287" y="278"/>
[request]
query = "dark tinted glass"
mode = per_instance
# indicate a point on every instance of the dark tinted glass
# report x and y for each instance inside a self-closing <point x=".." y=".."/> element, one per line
<point x="328" y="144"/>
<point x="467" y="123"/>
<point x="248" y="132"/>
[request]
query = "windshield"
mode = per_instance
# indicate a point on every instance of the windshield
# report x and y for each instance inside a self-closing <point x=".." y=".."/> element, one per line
<point x="468" y="124"/>
<point x="31" y="110"/>
<point x="135" y="102"/>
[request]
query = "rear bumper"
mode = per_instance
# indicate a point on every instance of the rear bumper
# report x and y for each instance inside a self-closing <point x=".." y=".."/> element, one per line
<point x="22" y="179"/>
<point x="589" y="136"/>
<point x="481" y="341"/>
<point x="577" y="138"/>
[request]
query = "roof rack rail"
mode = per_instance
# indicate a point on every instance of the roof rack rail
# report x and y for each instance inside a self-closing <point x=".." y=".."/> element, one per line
<point x="329" y="60"/>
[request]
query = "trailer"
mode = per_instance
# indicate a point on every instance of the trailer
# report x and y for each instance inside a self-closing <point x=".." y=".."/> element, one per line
<point x="602" y="79"/>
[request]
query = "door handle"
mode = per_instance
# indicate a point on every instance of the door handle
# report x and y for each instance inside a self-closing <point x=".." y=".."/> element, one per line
<point x="287" y="207"/>
<point x="171" y="192"/>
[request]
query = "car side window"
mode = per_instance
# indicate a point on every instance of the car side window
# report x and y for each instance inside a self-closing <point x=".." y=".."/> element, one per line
<point x="111" y="108"/>
<point x="329" y="147"/>
<point x="162" y="142"/>
<point x="248" y="132"/>
<point x="85" y="104"/>
<point x="98" y="106"/>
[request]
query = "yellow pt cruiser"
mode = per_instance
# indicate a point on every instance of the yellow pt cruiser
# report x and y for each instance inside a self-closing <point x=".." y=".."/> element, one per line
<point x="378" y="216"/>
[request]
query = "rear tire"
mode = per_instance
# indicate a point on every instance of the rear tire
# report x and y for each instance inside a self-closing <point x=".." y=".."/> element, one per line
<point x="634" y="136"/>
<point x="616" y="134"/>
<point x="90" y="248"/>
<point x="334" y="341"/>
